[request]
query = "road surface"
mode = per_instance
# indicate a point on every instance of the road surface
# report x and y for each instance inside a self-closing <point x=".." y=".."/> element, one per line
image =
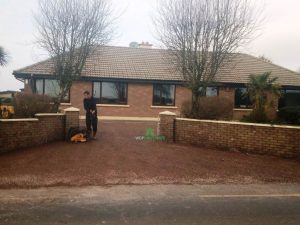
<point x="153" y="204"/>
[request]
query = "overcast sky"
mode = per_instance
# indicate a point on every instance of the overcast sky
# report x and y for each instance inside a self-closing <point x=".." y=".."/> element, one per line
<point x="279" y="41"/>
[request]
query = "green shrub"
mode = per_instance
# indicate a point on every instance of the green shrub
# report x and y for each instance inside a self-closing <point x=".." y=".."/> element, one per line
<point x="259" y="87"/>
<point x="290" y="114"/>
<point x="212" y="108"/>
<point x="186" y="109"/>
<point x="26" y="105"/>
<point x="256" y="116"/>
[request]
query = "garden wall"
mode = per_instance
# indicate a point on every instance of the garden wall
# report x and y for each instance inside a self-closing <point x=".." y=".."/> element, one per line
<point x="255" y="138"/>
<point x="44" y="128"/>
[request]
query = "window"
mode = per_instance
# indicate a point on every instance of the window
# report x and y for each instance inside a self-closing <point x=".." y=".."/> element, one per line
<point x="48" y="87"/>
<point x="110" y="92"/>
<point x="164" y="95"/>
<point x="211" y="91"/>
<point x="242" y="100"/>
<point x="290" y="97"/>
<point x="51" y="88"/>
<point x="39" y="87"/>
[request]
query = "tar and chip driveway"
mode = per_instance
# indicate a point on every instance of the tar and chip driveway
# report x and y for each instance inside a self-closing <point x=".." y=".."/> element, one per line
<point x="153" y="204"/>
<point x="117" y="157"/>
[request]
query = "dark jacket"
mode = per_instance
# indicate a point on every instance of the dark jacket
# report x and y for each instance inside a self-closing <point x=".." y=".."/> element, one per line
<point x="90" y="104"/>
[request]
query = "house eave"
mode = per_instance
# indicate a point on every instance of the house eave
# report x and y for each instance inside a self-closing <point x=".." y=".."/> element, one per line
<point x="135" y="80"/>
<point x="91" y="78"/>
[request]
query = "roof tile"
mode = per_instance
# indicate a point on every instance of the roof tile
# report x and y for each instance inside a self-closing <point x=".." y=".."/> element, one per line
<point x="151" y="64"/>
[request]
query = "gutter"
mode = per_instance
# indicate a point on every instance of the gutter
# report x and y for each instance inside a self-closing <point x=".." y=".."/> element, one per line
<point x="47" y="76"/>
<point x="134" y="80"/>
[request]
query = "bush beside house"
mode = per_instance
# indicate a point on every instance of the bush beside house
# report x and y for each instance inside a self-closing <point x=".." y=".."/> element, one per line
<point x="214" y="107"/>
<point x="290" y="114"/>
<point x="26" y="105"/>
<point x="260" y="88"/>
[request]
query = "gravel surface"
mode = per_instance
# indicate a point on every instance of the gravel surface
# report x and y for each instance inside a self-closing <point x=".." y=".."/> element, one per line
<point x="118" y="157"/>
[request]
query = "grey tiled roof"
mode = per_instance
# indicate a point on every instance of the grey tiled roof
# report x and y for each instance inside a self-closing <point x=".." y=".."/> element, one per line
<point x="151" y="64"/>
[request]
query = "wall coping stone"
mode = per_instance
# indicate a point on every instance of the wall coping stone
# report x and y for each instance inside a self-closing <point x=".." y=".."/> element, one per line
<point x="72" y="109"/>
<point x="167" y="113"/>
<point x="240" y="123"/>
<point x="20" y="120"/>
<point x="49" y="114"/>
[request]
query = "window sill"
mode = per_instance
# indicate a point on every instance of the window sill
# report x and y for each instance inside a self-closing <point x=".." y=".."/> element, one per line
<point x="62" y="103"/>
<point x="242" y="109"/>
<point x="163" y="107"/>
<point x="108" y="105"/>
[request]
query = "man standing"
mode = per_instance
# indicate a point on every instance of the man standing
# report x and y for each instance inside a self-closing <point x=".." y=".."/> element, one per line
<point x="91" y="118"/>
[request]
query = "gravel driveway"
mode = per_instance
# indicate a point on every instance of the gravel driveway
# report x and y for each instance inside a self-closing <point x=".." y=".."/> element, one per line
<point x="117" y="157"/>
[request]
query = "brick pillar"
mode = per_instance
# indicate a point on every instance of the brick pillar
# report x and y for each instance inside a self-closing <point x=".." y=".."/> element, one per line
<point x="166" y="125"/>
<point x="72" y="118"/>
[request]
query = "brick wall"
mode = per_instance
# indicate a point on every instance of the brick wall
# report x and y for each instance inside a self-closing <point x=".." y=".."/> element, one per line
<point x="255" y="138"/>
<point x="44" y="128"/>
<point x="227" y="93"/>
<point x="51" y="127"/>
<point x="21" y="133"/>
<point x="139" y="100"/>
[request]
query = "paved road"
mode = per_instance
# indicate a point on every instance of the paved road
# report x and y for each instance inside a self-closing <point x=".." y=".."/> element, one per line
<point x="153" y="204"/>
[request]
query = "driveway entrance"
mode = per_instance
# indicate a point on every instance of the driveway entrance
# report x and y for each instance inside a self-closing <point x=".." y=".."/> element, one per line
<point x="117" y="157"/>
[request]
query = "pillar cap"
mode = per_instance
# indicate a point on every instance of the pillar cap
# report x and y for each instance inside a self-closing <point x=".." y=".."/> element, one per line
<point x="72" y="109"/>
<point x="167" y="113"/>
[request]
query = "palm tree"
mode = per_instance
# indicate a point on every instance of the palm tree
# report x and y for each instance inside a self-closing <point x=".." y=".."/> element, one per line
<point x="258" y="89"/>
<point x="3" y="57"/>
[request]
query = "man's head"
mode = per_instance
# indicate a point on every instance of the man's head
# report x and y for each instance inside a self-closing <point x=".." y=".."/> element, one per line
<point x="87" y="94"/>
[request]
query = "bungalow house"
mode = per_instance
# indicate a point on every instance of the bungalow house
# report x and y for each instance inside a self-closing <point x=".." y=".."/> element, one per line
<point x="139" y="82"/>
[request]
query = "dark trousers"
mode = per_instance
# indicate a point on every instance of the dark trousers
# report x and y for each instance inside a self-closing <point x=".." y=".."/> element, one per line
<point x="91" y="122"/>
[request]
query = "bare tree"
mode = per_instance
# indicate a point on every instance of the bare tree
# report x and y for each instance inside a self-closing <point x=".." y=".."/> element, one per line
<point x="70" y="30"/>
<point x="265" y="59"/>
<point x="201" y="35"/>
<point x="3" y="57"/>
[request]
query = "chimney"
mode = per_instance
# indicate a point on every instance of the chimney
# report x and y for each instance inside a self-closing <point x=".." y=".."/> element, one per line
<point x="133" y="44"/>
<point x="145" y="45"/>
